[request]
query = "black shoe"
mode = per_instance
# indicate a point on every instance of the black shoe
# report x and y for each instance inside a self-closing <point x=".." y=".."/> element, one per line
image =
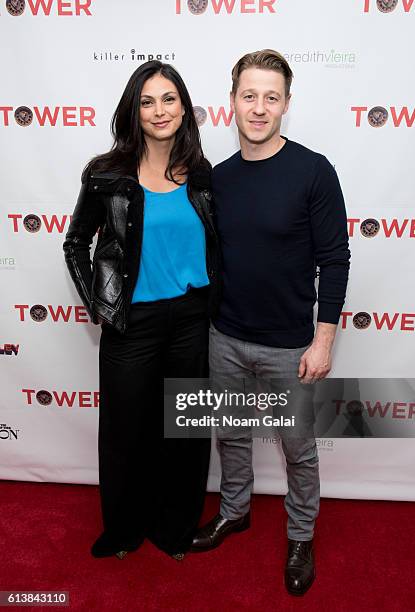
<point x="299" y="570"/>
<point x="214" y="532"/>
<point x="105" y="546"/>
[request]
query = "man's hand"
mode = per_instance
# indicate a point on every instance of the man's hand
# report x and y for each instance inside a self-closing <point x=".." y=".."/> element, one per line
<point x="315" y="363"/>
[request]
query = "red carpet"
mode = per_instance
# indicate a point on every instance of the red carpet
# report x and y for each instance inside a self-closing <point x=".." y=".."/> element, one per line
<point x="365" y="554"/>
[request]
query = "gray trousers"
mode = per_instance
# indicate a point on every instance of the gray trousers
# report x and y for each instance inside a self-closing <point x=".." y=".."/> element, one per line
<point x="230" y="357"/>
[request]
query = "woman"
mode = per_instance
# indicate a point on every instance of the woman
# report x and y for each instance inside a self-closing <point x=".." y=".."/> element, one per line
<point x="151" y="286"/>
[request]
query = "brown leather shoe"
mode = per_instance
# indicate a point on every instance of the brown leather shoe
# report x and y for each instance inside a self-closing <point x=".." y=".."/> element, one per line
<point x="214" y="532"/>
<point x="299" y="570"/>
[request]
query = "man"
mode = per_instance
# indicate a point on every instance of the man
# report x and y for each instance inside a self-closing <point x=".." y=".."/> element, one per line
<point x="280" y="214"/>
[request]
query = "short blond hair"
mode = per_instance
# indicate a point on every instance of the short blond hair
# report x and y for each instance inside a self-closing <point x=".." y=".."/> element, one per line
<point x="267" y="59"/>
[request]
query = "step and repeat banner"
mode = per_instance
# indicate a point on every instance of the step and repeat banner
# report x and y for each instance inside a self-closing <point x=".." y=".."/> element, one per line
<point x="64" y="65"/>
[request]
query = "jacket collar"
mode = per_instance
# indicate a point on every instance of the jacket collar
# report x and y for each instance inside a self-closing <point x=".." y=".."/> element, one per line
<point x="198" y="179"/>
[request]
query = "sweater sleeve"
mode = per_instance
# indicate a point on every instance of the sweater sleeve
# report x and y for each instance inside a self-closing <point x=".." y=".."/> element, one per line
<point x="330" y="239"/>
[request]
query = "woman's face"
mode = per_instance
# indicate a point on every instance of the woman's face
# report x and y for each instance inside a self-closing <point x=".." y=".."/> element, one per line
<point x="161" y="109"/>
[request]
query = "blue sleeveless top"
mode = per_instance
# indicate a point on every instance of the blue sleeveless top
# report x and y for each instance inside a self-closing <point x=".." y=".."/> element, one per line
<point x="173" y="253"/>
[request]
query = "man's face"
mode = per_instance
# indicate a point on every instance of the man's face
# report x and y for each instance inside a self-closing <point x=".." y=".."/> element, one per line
<point x="259" y="104"/>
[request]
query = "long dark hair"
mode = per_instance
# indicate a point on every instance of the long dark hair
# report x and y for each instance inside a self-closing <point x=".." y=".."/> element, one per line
<point x="129" y="145"/>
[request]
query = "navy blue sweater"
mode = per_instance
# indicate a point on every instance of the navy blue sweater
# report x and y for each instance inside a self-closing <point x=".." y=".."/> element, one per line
<point x="279" y="218"/>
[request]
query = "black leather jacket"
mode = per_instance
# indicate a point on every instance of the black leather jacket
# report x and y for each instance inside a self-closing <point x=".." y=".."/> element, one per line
<point x="114" y="205"/>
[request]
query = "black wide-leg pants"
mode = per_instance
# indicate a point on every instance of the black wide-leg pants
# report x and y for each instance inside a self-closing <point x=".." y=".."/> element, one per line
<point x="151" y="486"/>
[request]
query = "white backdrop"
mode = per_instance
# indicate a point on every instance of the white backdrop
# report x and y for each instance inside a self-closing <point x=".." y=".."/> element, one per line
<point x="68" y="62"/>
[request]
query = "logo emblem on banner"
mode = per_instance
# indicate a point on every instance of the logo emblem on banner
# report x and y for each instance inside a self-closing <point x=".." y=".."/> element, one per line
<point x="392" y="228"/>
<point x="197" y="7"/>
<point x="354" y="407"/>
<point x="15" y="7"/>
<point x="9" y="349"/>
<point x="377" y="116"/>
<point x="217" y="116"/>
<point x="46" y="116"/>
<point x="362" y="320"/>
<point x="386" y="321"/>
<point x="200" y="115"/>
<point x="32" y="223"/>
<point x="7" y="263"/>
<point x="38" y="313"/>
<point x="63" y="8"/>
<point x="23" y="115"/>
<point x="59" y="313"/>
<point x="7" y="432"/>
<point x="44" y="397"/>
<point x="369" y="227"/>
<point x="386" y="6"/>
<point x="219" y="7"/>
<point x="68" y="399"/>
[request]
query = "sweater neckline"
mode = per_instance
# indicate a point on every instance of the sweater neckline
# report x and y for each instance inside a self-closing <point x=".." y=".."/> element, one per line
<point x="266" y="159"/>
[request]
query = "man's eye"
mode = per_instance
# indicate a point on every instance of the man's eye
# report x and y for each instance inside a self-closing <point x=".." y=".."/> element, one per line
<point x="273" y="99"/>
<point x="248" y="97"/>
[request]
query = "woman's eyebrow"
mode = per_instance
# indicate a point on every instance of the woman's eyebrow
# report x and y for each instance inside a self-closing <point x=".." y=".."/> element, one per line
<point x="167" y="93"/>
